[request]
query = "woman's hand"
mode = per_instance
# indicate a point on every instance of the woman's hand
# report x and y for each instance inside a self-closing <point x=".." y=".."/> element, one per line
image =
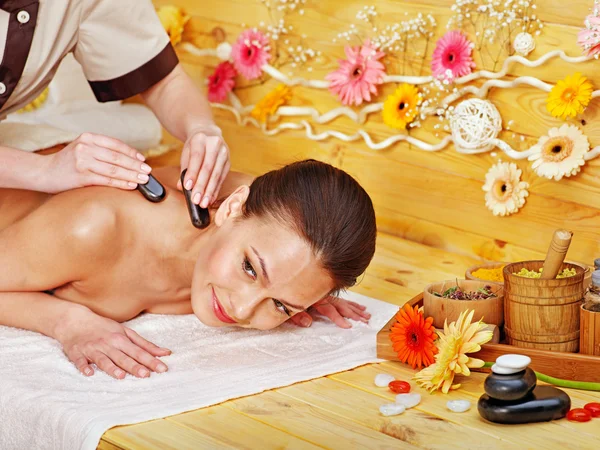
<point x="92" y="159"/>
<point x="89" y="338"/>
<point x="336" y="309"/>
<point x="206" y="157"/>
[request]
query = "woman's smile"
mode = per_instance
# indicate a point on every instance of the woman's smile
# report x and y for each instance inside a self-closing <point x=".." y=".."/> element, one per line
<point x="219" y="310"/>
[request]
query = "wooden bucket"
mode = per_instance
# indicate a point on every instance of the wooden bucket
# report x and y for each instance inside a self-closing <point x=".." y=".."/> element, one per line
<point x="542" y="314"/>
<point x="590" y="332"/>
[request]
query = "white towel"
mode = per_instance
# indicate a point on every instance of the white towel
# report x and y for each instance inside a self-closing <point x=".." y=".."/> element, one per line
<point x="45" y="403"/>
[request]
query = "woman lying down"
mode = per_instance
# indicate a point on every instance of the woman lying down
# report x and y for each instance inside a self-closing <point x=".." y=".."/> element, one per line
<point x="77" y="263"/>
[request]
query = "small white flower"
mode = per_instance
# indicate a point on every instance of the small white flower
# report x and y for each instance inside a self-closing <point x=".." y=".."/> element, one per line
<point x="224" y="51"/>
<point x="524" y="44"/>
<point x="505" y="192"/>
<point x="561" y="153"/>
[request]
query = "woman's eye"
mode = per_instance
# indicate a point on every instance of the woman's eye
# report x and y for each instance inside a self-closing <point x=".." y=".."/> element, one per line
<point x="281" y="307"/>
<point x="247" y="267"/>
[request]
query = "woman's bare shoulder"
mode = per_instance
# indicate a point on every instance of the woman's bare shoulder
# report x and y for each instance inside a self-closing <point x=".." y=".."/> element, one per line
<point x="89" y="216"/>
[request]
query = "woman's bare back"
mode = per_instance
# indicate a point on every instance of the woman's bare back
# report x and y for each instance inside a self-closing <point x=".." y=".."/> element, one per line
<point x="144" y="256"/>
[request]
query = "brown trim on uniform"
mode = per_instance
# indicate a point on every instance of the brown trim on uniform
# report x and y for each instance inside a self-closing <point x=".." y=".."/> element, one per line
<point x="13" y="5"/>
<point x="18" y="43"/>
<point x="138" y="80"/>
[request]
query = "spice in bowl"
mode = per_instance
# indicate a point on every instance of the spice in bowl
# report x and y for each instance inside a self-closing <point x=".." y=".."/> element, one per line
<point x="456" y="293"/>
<point x="493" y="274"/>
<point x="566" y="273"/>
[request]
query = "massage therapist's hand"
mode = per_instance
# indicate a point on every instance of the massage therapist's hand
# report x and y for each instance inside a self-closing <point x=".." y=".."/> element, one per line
<point x="89" y="338"/>
<point x="336" y="309"/>
<point x="205" y="155"/>
<point x="93" y="159"/>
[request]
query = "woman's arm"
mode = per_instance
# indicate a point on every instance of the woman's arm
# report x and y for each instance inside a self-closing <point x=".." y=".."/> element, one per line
<point x="55" y="245"/>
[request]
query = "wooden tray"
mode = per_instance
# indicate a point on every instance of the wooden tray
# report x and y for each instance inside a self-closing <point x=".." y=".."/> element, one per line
<point x="568" y="366"/>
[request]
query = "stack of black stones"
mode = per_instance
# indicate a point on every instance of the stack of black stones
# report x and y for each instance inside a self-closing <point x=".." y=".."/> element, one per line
<point x="512" y="395"/>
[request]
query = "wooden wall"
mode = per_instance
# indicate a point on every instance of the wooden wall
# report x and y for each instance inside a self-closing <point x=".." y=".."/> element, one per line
<point x="431" y="198"/>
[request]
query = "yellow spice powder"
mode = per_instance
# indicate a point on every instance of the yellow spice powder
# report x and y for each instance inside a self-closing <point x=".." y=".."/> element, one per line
<point x="494" y="274"/>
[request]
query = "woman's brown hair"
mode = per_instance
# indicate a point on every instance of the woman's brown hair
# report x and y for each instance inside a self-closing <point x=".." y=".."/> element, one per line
<point x="327" y="207"/>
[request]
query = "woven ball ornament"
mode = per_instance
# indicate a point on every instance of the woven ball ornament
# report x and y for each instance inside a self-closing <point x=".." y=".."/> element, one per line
<point x="475" y="123"/>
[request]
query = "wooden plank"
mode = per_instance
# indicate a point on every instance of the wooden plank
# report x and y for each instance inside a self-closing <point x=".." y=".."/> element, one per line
<point x="104" y="445"/>
<point x="527" y="435"/>
<point x="427" y="194"/>
<point x="313" y="424"/>
<point x="216" y="422"/>
<point x="474" y="388"/>
<point x="160" y="435"/>
<point x="360" y="406"/>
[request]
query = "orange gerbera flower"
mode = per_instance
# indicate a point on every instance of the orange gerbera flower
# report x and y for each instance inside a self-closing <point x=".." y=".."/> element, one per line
<point x="412" y="337"/>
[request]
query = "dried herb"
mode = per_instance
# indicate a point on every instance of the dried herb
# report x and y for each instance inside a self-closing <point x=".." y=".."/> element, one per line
<point x="457" y="293"/>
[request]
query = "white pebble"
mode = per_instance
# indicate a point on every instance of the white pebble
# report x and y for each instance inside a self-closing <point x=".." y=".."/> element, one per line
<point x="408" y="400"/>
<point x="383" y="379"/>
<point x="391" y="409"/>
<point x="512" y="361"/>
<point x="501" y="370"/>
<point x="458" y="406"/>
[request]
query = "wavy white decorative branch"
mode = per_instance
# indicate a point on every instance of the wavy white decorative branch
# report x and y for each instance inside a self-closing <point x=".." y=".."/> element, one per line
<point x="359" y="117"/>
<point x="191" y="48"/>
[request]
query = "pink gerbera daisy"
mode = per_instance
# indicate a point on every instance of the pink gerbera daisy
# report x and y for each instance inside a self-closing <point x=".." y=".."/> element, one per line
<point x="250" y="52"/>
<point x="221" y="82"/>
<point x="589" y="37"/>
<point x="358" y="76"/>
<point x="452" y="56"/>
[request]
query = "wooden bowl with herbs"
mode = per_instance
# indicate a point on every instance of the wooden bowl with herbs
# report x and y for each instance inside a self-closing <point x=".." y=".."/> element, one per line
<point x="445" y="300"/>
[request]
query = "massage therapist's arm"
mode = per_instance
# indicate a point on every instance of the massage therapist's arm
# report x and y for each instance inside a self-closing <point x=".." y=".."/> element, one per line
<point x="91" y="159"/>
<point x="19" y="169"/>
<point x="48" y="249"/>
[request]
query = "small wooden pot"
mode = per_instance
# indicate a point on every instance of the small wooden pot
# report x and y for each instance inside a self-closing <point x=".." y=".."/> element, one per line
<point x="491" y="310"/>
<point x="589" y="337"/>
<point x="542" y="314"/>
<point x="493" y="265"/>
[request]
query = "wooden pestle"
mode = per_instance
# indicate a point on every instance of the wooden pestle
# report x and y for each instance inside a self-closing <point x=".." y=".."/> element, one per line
<point x="556" y="254"/>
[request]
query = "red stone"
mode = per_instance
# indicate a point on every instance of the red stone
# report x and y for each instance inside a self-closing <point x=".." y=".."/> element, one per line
<point x="579" y="415"/>
<point x="593" y="409"/>
<point x="399" y="387"/>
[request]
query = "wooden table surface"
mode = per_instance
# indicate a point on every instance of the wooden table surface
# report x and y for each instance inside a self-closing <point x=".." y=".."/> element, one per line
<point x="342" y="410"/>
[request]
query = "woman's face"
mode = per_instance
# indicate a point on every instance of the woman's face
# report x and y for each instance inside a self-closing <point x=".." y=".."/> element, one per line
<point x="254" y="273"/>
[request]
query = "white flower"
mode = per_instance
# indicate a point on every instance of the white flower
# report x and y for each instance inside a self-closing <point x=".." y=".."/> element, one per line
<point x="224" y="51"/>
<point x="524" y="44"/>
<point x="561" y="153"/>
<point x="505" y="192"/>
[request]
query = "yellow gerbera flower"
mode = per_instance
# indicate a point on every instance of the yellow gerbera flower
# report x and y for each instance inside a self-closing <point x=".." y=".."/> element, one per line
<point x="458" y="339"/>
<point x="270" y="102"/>
<point x="401" y="107"/>
<point x="570" y="96"/>
<point x="36" y="103"/>
<point x="173" y="19"/>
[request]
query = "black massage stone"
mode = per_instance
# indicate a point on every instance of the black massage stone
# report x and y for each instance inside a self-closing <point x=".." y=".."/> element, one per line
<point x="544" y="403"/>
<point x="510" y="387"/>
